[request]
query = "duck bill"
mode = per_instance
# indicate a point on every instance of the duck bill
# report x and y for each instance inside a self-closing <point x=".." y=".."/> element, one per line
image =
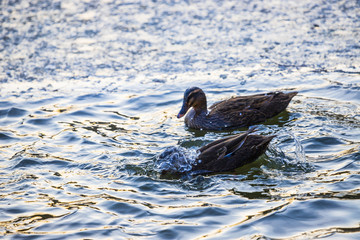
<point x="183" y="111"/>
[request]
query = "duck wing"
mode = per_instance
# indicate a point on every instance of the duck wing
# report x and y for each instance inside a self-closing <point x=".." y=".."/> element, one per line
<point x="232" y="152"/>
<point x="247" y="110"/>
<point x="240" y="102"/>
<point x="252" y="148"/>
<point x="231" y="140"/>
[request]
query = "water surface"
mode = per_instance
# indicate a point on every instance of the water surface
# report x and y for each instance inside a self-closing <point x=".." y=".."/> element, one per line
<point x="89" y="96"/>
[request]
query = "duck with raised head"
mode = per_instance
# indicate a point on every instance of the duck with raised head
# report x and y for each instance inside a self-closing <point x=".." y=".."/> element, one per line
<point x="240" y="111"/>
<point x="222" y="155"/>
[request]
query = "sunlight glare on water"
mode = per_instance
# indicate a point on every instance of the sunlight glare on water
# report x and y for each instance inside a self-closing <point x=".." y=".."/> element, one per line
<point x="90" y="91"/>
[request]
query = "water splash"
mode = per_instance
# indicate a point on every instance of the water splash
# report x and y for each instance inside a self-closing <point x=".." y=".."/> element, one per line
<point x="299" y="152"/>
<point x="176" y="160"/>
<point x="291" y="157"/>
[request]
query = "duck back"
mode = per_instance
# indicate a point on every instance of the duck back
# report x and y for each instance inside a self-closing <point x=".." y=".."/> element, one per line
<point x="231" y="153"/>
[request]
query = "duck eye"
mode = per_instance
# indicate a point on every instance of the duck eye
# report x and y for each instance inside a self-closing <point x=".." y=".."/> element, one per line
<point x="190" y="100"/>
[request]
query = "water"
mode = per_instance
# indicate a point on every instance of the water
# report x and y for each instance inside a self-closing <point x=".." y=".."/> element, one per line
<point x="176" y="160"/>
<point x="90" y="91"/>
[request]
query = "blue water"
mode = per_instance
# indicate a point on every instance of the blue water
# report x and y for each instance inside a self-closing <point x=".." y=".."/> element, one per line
<point x="90" y="91"/>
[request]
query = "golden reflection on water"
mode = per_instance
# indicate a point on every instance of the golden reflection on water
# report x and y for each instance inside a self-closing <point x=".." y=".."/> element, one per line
<point x="247" y="219"/>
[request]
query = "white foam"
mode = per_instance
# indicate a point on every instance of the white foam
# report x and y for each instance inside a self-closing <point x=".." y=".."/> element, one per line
<point x="176" y="159"/>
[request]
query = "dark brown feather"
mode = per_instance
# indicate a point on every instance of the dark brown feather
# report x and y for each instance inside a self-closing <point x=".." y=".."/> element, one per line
<point x="232" y="152"/>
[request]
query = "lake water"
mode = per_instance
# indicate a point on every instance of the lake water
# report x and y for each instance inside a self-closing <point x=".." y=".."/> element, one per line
<point x="90" y="91"/>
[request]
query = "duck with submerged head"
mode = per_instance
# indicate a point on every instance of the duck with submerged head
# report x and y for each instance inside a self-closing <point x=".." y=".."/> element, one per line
<point x="224" y="154"/>
<point x="232" y="152"/>
<point x="240" y="111"/>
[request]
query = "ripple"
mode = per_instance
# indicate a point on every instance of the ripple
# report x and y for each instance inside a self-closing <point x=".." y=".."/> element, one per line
<point x="40" y="121"/>
<point x="298" y="219"/>
<point x="82" y="113"/>
<point x="27" y="163"/>
<point x="7" y="138"/>
<point x="124" y="208"/>
<point x="12" y="112"/>
<point x="323" y="144"/>
<point x="91" y="97"/>
<point x="43" y="101"/>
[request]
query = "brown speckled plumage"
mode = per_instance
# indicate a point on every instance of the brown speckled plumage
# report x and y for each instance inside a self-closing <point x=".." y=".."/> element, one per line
<point x="241" y="111"/>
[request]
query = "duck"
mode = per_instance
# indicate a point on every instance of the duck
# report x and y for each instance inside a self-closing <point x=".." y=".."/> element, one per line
<point x="239" y="111"/>
<point x="222" y="155"/>
<point x="232" y="152"/>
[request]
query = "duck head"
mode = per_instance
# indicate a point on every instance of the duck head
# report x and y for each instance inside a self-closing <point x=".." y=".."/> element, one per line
<point x="193" y="97"/>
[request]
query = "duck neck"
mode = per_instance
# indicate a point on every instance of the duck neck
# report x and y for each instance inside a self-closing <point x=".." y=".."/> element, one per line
<point x="201" y="108"/>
